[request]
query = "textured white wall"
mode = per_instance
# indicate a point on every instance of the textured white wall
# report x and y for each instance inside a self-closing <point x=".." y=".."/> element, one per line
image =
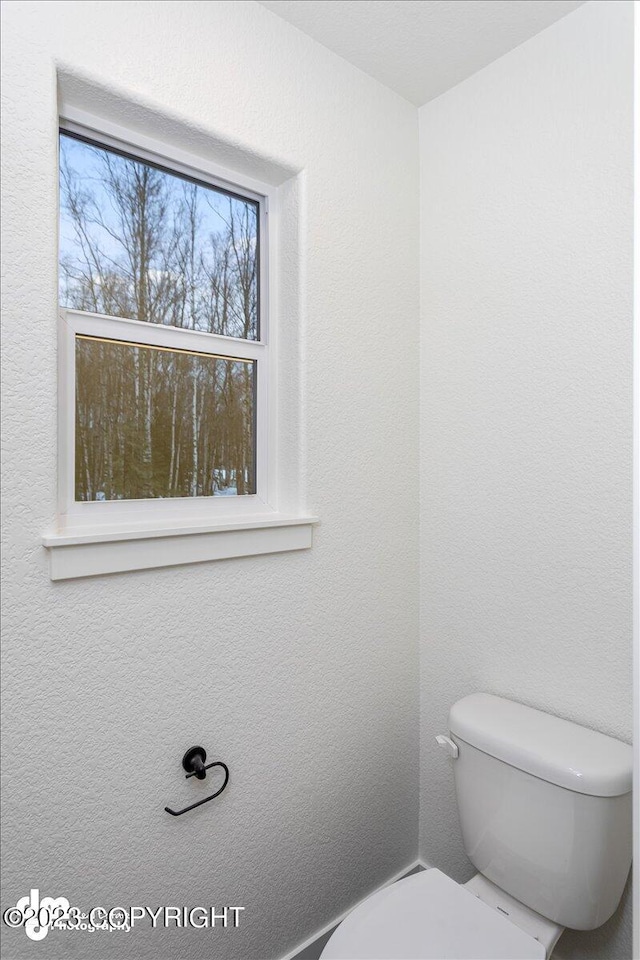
<point x="525" y="406"/>
<point x="300" y="671"/>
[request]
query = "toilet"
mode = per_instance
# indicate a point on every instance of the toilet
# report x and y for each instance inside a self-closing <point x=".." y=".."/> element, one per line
<point x="545" y="811"/>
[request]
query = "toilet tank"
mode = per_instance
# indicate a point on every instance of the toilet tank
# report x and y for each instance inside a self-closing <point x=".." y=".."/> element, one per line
<point x="545" y="808"/>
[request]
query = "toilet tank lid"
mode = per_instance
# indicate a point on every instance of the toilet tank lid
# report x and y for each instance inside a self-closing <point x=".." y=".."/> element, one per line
<point x="545" y="746"/>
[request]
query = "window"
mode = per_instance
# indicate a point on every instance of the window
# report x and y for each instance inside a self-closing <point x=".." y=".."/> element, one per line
<point x="142" y="243"/>
<point x="166" y="412"/>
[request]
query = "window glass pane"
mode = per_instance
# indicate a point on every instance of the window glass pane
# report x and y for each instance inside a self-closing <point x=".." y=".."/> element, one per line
<point x="153" y="422"/>
<point x="140" y="242"/>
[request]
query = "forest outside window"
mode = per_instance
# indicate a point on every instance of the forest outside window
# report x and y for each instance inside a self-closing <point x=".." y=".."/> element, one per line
<point x="165" y="364"/>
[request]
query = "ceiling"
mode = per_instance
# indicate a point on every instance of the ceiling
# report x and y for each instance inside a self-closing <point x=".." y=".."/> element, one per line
<point x="420" y="48"/>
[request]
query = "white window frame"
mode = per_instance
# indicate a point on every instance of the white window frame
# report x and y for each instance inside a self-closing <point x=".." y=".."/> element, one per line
<point x="89" y="524"/>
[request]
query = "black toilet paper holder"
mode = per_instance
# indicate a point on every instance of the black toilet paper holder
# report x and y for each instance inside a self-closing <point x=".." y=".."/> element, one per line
<point x="194" y="763"/>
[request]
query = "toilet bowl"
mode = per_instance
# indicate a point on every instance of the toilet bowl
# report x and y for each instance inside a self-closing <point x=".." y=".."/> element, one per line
<point x="545" y="812"/>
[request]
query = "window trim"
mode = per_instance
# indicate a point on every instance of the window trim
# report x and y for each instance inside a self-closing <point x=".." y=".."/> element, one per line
<point x="113" y="551"/>
<point x="113" y="524"/>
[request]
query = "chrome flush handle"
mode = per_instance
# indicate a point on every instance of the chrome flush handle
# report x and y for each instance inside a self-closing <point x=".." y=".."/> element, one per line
<point x="448" y="745"/>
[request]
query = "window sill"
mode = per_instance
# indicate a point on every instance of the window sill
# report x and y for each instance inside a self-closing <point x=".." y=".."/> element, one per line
<point x="88" y="554"/>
